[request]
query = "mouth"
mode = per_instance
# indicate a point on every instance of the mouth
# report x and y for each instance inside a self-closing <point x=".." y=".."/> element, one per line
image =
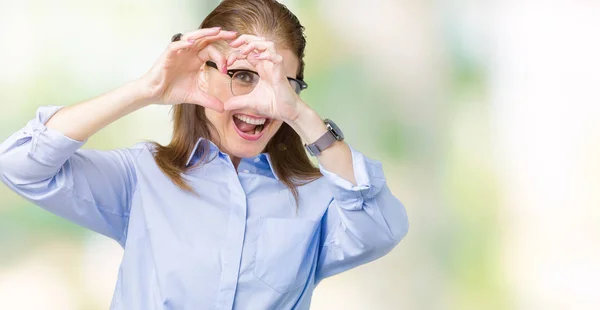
<point x="250" y="127"/>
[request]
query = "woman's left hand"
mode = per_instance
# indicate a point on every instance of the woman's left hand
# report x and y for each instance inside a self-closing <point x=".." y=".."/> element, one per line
<point x="273" y="96"/>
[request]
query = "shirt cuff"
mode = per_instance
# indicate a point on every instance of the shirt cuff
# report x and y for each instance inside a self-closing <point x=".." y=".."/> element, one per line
<point x="369" y="177"/>
<point x="48" y="146"/>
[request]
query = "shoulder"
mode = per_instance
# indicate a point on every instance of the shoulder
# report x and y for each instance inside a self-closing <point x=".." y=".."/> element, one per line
<point x="136" y="155"/>
<point x="142" y="156"/>
<point x="144" y="147"/>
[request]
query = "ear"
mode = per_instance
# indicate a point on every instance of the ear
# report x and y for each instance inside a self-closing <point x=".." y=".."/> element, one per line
<point x="203" y="78"/>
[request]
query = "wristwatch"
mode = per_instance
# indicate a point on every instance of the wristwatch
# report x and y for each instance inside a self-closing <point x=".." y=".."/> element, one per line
<point x="334" y="133"/>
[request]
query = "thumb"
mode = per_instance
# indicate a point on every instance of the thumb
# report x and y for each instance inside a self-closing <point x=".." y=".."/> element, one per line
<point x="240" y="103"/>
<point x="205" y="100"/>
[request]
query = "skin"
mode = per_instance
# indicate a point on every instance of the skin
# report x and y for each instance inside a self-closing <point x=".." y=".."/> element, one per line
<point x="179" y="76"/>
<point x="217" y="84"/>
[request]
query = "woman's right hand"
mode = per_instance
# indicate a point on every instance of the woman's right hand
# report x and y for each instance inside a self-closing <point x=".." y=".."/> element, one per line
<point x="174" y="77"/>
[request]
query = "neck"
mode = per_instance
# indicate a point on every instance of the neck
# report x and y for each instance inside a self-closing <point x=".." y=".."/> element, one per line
<point x="235" y="161"/>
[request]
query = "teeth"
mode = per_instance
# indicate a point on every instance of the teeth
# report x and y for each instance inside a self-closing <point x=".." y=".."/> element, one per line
<point x="253" y="121"/>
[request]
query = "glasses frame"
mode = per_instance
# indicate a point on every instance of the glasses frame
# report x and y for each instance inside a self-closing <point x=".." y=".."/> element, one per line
<point x="231" y="72"/>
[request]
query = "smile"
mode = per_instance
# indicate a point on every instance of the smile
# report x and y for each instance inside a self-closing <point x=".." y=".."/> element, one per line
<point x="250" y="127"/>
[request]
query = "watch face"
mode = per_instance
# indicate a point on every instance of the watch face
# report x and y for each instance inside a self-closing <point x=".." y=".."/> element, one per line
<point x="335" y="130"/>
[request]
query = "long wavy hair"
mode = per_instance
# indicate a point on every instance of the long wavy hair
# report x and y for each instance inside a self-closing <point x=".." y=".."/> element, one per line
<point x="288" y="157"/>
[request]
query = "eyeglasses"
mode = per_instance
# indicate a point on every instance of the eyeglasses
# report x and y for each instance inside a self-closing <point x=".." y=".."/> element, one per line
<point x="243" y="81"/>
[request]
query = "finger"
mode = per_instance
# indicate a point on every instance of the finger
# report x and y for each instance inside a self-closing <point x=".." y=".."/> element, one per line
<point x="250" y="47"/>
<point x="180" y="42"/>
<point x="222" y="35"/>
<point x="260" y="46"/>
<point x="179" y="45"/>
<point x="237" y="55"/>
<point x="262" y="50"/>
<point x="245" y="38"/>
<point x="272" y="57"/>
<point x="202" y="42"/>
<point x="200" y="33"/>
<point x="212" y="53"/>
<point x="233" y="56"/>
<point x="206" y="100"/>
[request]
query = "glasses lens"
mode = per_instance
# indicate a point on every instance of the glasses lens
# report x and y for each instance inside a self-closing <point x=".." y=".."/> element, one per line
<point x="243" y="82"/>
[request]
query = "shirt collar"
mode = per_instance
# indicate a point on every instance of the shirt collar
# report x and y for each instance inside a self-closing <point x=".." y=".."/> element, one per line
<point x="214" y="151"/>
<point x="197" y="151"/>
<point x="268" y="158"/>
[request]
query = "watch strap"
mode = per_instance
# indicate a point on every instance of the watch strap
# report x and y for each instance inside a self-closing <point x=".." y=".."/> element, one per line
<point x="325" y="141"/>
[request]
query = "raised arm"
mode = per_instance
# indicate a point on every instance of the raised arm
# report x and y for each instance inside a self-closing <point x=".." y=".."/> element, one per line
<point x="43" y="161"/>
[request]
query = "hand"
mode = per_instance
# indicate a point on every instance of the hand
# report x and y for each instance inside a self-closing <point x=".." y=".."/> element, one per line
<point x="174" y="77"/>
<point x="273" y="96"/>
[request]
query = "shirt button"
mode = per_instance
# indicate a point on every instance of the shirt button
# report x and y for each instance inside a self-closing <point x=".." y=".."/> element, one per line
<point x="245" y="171"/>
<point x="257" y="160"/>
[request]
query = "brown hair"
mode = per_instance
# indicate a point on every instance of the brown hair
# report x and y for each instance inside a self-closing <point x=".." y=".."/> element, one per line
<point x="274" y="21"/>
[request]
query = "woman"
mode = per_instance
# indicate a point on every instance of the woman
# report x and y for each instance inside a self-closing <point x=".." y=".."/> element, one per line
<point x="230" y="214"/>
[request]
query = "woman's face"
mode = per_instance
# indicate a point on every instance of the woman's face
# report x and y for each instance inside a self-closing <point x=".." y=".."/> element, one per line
<point x="239" y="134"/>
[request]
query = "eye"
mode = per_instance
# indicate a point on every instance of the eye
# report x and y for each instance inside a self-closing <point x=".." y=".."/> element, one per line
<point x="245" y="77"/>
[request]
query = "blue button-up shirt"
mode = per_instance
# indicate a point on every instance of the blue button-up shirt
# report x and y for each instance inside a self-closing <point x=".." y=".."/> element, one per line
<point x="241" y="243"/>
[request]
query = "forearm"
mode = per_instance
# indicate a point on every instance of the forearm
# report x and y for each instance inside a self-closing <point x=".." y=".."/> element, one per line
<point x="365" y="220"/>
<point x="82" y="120"/>
<point x="336" y="158"/>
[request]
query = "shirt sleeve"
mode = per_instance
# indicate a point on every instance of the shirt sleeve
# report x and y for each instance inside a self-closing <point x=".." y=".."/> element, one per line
<point x="363" y="222"/>
<point x="88" y="187"/>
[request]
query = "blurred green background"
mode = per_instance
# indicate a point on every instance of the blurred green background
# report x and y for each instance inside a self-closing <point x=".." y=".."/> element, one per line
<point x="485" y="115"/>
